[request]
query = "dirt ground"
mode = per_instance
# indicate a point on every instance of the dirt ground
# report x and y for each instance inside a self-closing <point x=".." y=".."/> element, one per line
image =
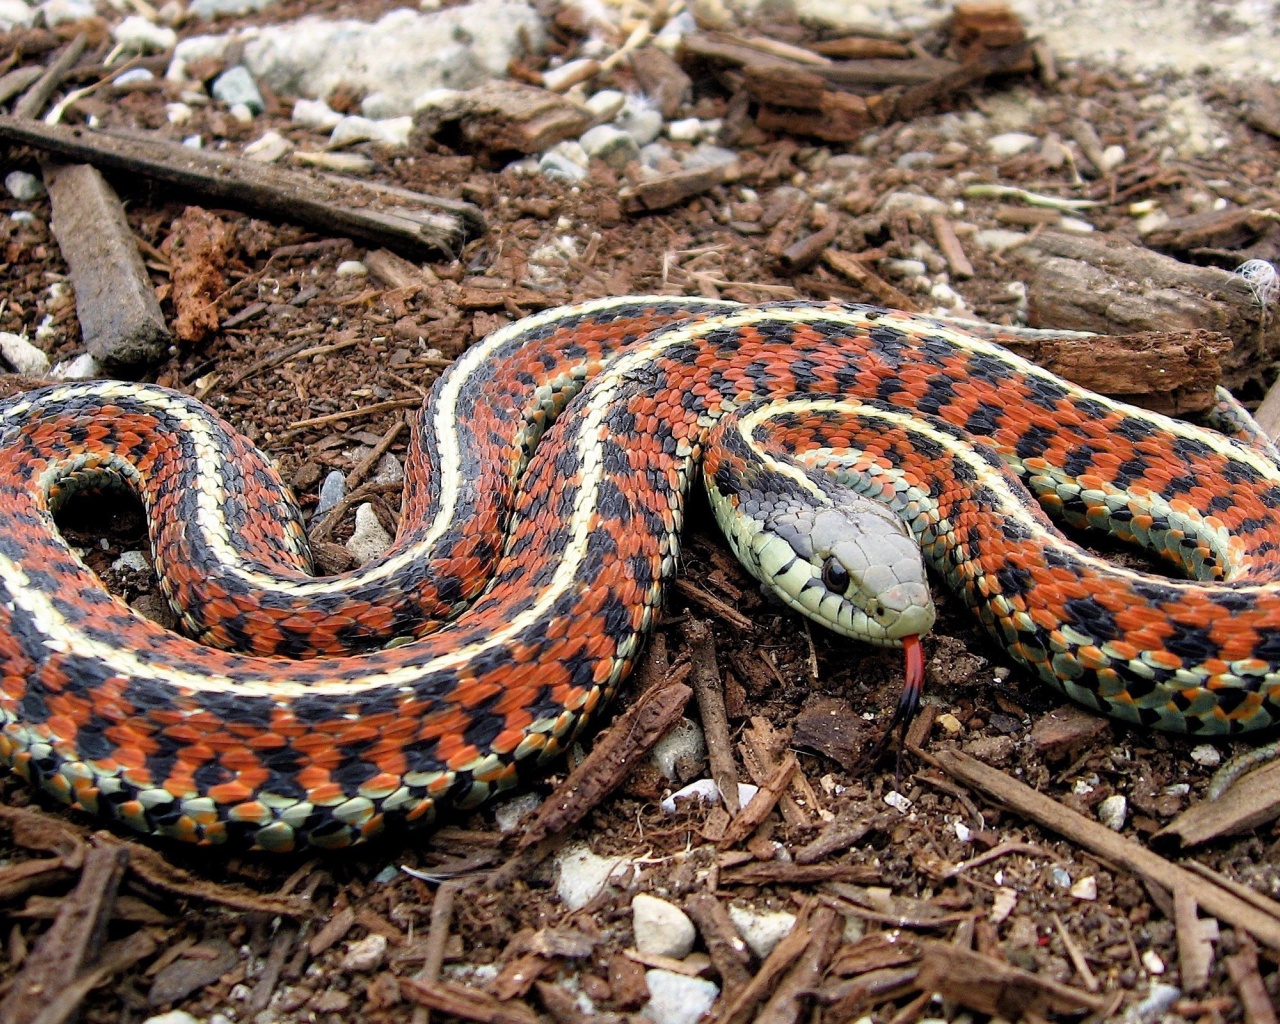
<point x="383" y="343"/>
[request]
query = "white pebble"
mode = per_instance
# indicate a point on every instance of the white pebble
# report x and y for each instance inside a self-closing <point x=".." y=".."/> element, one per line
<point x="369" y="539"/>
<point x="22" y="355"/>
<point x="1086" y="888"/>
<point x="82" y="367"/>
<point x="137" y="35"/>
<point x="897" y="801"/>
<point x="963" y="832"/>
<point x="581" y="874"/>
<point x="23" y="185"/>
<point x="342" y="163"/>
<point x="904" y="268"/>
<point x="178" y="113"/>
<point x="365" y="954"/>
<point x="1075" y="225"/>
<point x="351" y="268"/>
<point x="315" y="114"/>
<point x="605" y="103"/>
<point x="134" y="75"/>
<point x="1112" y="157"/>
<point x="391" y="131"/>
<point x="241" y="113"/>
<point x="1010" y="144"/>
<point x="1206" y="755"/>
<point x="612" y="145"/>
<point x="999" y="239"/>
<point x="688" y="129"/>
<point x="510" y="813"/>
<point x="661" y="928"/>
<point x="708" y="792"/>
<point x="761" y="929"/>
<point x="268" y="149"/>
<point x="1152" y="962"/>
<point x="913" y="202"/>
<point x="131" y="561"/>
<point x="172" y="1017"/>
<point x="1113" y="811"/>
<point x="15" y="12"/>
<point x="677" y="998"/>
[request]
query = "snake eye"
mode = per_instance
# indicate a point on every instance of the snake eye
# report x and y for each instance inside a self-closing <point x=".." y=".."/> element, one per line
<point x="835" y="577"/>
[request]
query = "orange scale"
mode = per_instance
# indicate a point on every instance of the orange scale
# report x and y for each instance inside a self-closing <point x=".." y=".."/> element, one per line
<point x="456" y="753"/>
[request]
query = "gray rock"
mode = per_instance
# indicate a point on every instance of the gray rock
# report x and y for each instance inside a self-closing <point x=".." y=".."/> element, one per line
<point x="581" y="874"/>
<point x="761" y="929"/>
<point x="388" y="470"/>
<point x="23" y="186"/>
<point x="332" y="491"/>
<point x="679" y="754"/>
<point x="132" y="561"/>
<point x="81" y="367"/>
<point x="390" y="131"/>
<point x="315" y="114"/>
<point x="365" y="955"/>
<point x="705" y="155"/>
<point x="1112" y="811"/>
<point x="236" y="85"/>
<point x="267" y="150"/>
<point x="369" y="539"/>
<point x="565" y="160"/>
<point x="137" y="35"/>
<point x="677" y="998"/>
<point x="639" y="120"/>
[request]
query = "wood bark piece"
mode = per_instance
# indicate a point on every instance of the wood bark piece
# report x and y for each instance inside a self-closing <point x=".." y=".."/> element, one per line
<point x="197" y="250"/>
<point x="615" y="753"/>
<point x="504" y="117"/>
<point x="1251" y="802"/>
<point x="876" y="286"/>
<point x="728" y="952"/>
<point x="72" y="941"/>
<point x="1111" y="286"/>
<point x="1243" y="969"/>
<point x="777" y="963"/>
<point x="115" y="301"/>
<point x="33" y="101"/>
<point x="708" y="686"/>
<point x="466" y="1002"/>
<point x="792" y="994"/>
<point x="1100" y="840"/>
<point x="410" y="222"/>
<point x="670" y="189"/>
<point x="758" y="808"/>
<point x="989" y="985"/>
<point x="1195" y="950"/>
<point x="1170" y="371"/>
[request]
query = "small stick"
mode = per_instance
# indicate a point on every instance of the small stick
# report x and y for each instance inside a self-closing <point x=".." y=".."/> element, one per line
<point x="712" y="604"/>
<point x="357" y="475"/>
<point x="709" y="688"/>
<point x="354" y="414"/>
<point x="1076" y="954"/>
<point x="949" y="243"/>
<point x="31" y="102"/>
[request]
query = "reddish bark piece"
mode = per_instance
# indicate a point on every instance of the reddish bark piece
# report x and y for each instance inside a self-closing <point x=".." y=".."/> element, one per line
<point x="197" y="250"/>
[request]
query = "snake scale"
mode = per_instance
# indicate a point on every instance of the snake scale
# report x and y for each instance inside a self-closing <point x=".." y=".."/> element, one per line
<point x="546" y="482"/>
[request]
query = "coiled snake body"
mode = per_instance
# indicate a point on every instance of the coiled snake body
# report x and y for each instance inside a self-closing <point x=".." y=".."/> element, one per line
<point x="530" y="568"/>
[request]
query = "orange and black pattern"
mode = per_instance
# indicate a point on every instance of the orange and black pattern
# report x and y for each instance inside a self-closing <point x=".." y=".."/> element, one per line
<point x="559" y="547"/>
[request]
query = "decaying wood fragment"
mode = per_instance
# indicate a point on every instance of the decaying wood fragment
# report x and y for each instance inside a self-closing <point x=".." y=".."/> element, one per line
<point x="789" y="999"/>
<point x="1110" y="286"/>
<point x="1243" y="969"/>
<point x="115" y="301"/>
<point x="860" y="274"/>
<point x="990" y="985"/>
<point x="505" y="117"/>
<point x="980" y="26"/>
<point x="631" y="736"/>
<point x="729" y="954"/>
<point x="1194" y="935"/>
<point x="670" y="189"/>
<point x="72" y="943"/>
<point x="1252" y="802"/>
<point x="383" y="215"/>
<point x="762" y="803"/>
<point x="777" y="963"/>
<point x="197" y="250"/>
<point x="33" y="101"/>
<point x="709" y="688"/>
<point x="466" y="1002"/>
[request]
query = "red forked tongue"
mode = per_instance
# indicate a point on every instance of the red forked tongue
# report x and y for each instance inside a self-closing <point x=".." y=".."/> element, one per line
<point x="908" y="703"/>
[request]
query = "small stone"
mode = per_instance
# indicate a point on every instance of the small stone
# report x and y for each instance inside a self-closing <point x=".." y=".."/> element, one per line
<point x="581" y="874"/>
<point x="133" y="76"/>
<point x="570" y="74"/>
<point x="680" y="753"/>
<point x="193" y="142"/>
<point x="172" y="1017"/>
<point x="509" y="814"/>
<point x="1152" y="962"/>
<point x="81" y="367"/>
<point x="391" y="131"/>
<point x="1061" y="877"/>
<point x="351" y="268"/>
<point x="342" y="163"/>
<point x="944" y="295"/>
<point x="567" y="161"/>
<point x="178" y="113"/>
<point x="677" y="998"/>
<point x="388" y="470"/>
<point x="236" y="85"/>
<point x="994" y="750"/>
<point x="897" y="801"/>
<point x="706" y="791"/>
<point x="1152" y="222"/>
<point x="661" y="928"/>
<point x="22" y="355"/>
<point x="611" y="145"/>
<point x="365" y="954"/>
<point x="1204" y="754"/>
<point x="1074" y="225"/>
<point x="241" y="113"/>
<point x="332" y="491"/>
<point x="330" y="1001"/>
<point x="15" y="13"/>
<point x="58" y="12"/>
<point x="1112" y="157"/>
<point x="963" y="832"/>
<point x="913" y="202"/>
<point x="639" y="120"/>
<point x="268" y="149"/>
<point x="1086" y="888"/>
<point x="315" y="114"/>
<point x="1112" y="812"/>
<point x="132" y="561"/>
<point x="1009" y="144"/>
<point x="137" y="35"/>
<point x="369" y="539"/>
<point x="999" y="239"/>
<point x="23" y="186"/>
<point x="688" y="129"/>
<point x="705" y="155"/>
<point x="761" y="929"/>
<point x="606" y="103"/>
<point x="1155" y="1006"/>
<point x="950" y="723"/>
<point x="916" y="158"/>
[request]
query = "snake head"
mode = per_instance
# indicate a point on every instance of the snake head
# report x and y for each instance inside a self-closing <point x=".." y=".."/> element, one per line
<point x="851" y="566"/>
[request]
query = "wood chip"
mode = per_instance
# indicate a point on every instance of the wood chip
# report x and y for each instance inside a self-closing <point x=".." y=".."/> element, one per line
<point x="616" y="751"/>
<point x="1243" y="969"/>
<point x="729" y="953"/>
<point x="675" y="187"/>
<point x="115" y="300"/>
<point x="709" y="689"/>
<point x="877" y="287"/>
<point x="989" y="985"/>
<point x="380" y="214"/>
<point x="1252" y="802"/>
<point x="952" y="251"/>
<point x="766" y="798"/>
<point x="466" y="1002"/>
